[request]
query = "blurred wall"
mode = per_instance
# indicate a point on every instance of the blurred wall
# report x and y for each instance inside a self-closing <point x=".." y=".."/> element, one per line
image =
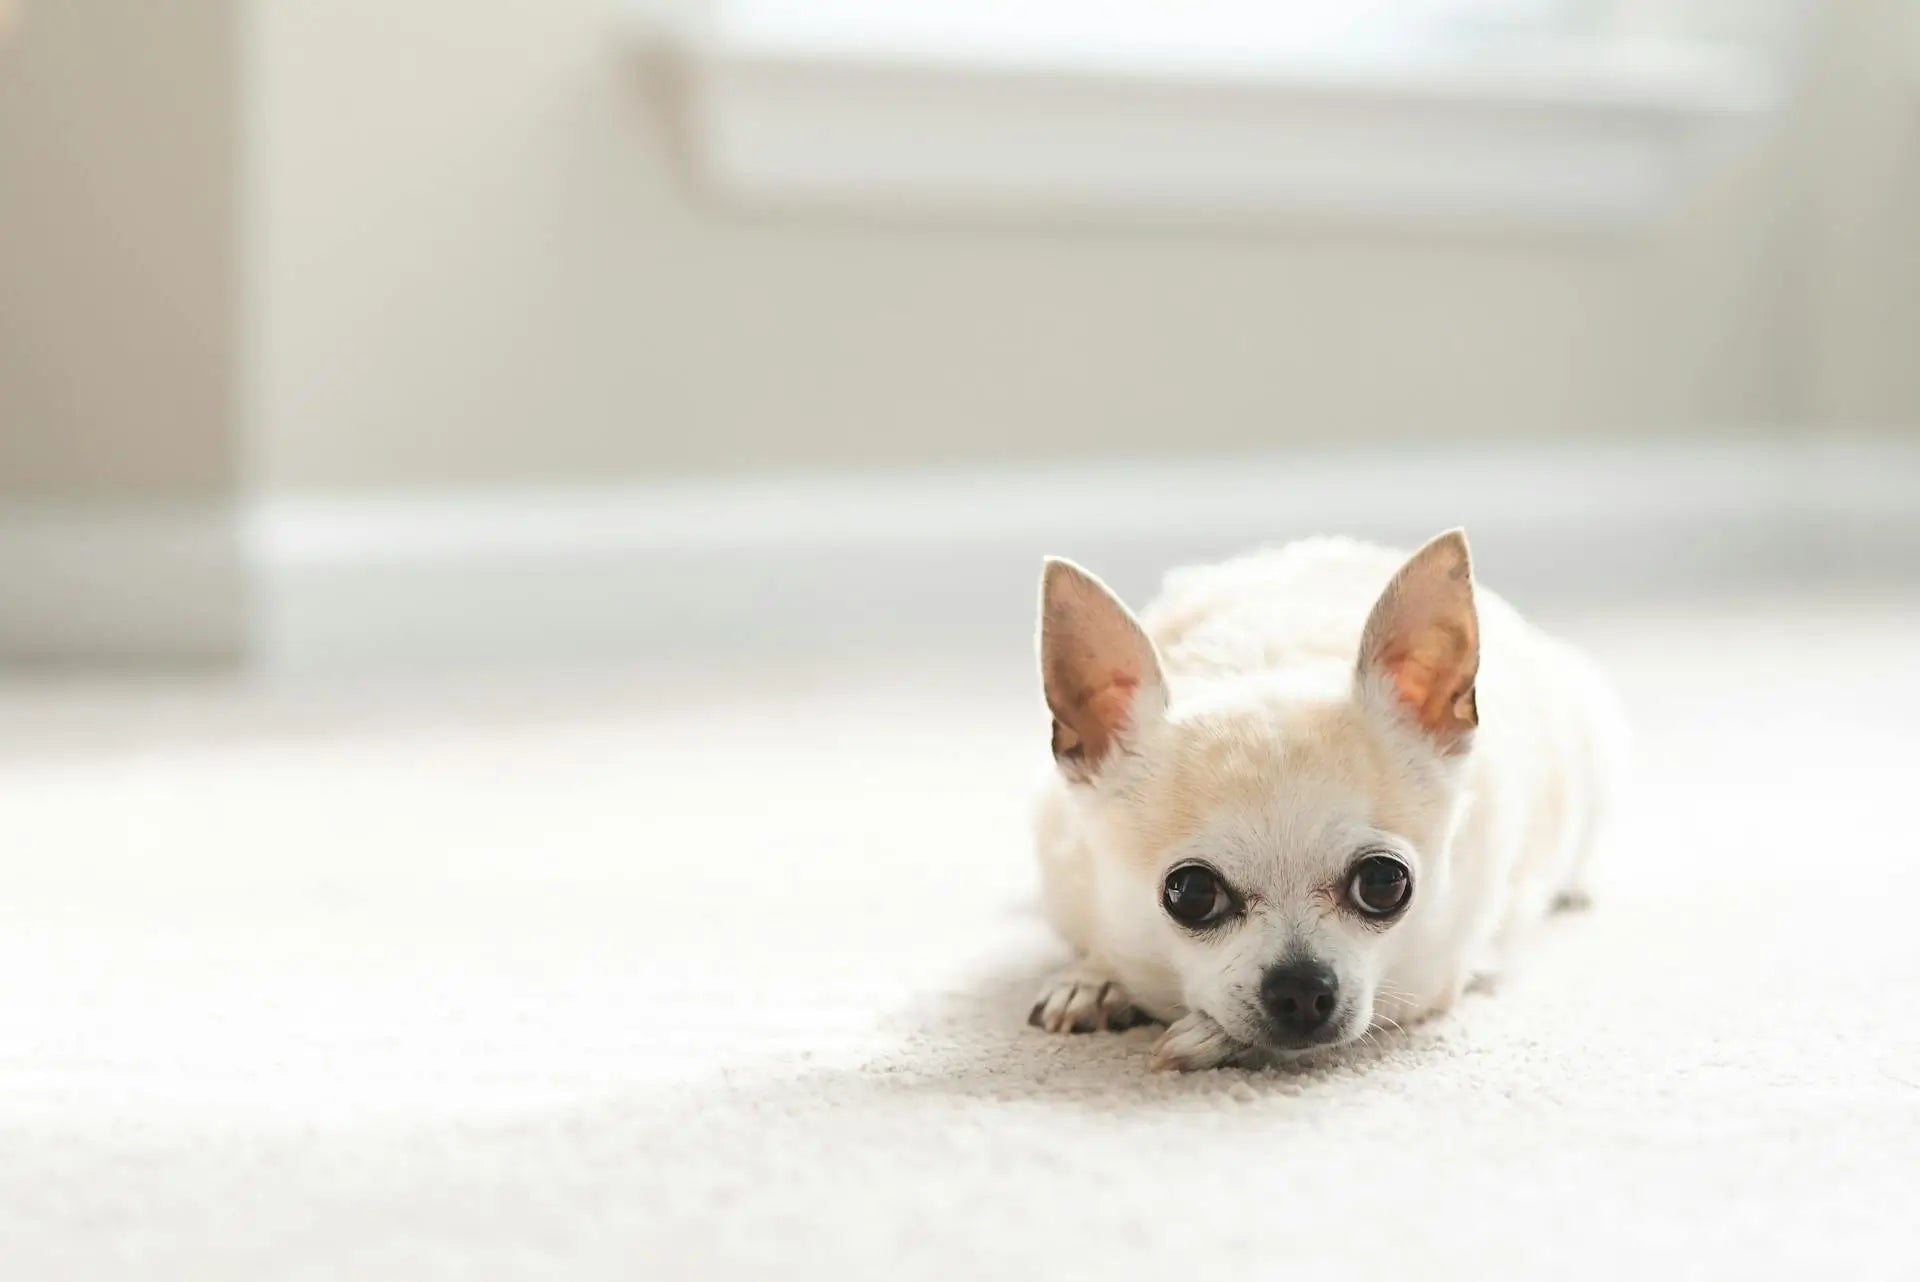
<point x="1861" y="184"/>
<point x="469" y="256"/>
<point x="118" y="249"/>
<point x="483" y="264"/>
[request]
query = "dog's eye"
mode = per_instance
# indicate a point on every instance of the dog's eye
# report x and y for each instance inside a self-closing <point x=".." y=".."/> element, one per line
<point x="1194" y="895"/>
<point x="1381" y="886"/>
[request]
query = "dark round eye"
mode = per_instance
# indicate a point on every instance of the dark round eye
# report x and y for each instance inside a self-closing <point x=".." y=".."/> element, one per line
<point x="1381" y="886"/>
<point x="1194" y="895"/>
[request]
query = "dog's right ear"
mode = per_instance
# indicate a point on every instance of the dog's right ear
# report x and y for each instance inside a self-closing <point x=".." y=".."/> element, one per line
<point x="1099" y="669"/>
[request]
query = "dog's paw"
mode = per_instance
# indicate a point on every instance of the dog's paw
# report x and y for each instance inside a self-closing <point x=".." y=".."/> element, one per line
<point x="1194" y="1042"/>
<point x="1083" y="999"/>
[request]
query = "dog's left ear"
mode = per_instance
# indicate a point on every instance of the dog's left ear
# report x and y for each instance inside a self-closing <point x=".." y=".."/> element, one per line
<point x="1423" y="641"/>
<point x="1098" y="666"/>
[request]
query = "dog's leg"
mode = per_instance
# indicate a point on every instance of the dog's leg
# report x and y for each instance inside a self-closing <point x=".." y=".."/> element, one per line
<point x="1195" y="1041"/>
<point x="1084" y="998"/>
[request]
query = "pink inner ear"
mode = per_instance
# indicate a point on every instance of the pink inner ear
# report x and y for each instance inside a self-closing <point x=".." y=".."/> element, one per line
<point x="1414" y="680"/>
<point x="1431" y="677"/>
<point x="1103" y="711"/>
<point x="1110" y="705"/>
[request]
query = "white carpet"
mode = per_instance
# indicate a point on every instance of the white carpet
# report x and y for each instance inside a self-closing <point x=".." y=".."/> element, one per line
<point x="646" y="979"/>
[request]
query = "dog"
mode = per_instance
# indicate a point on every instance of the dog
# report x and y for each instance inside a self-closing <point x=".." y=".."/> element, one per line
<point x="1277" y="818"/>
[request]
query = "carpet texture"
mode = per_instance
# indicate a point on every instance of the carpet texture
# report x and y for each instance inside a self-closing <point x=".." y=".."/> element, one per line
<point x="683" y="977"/>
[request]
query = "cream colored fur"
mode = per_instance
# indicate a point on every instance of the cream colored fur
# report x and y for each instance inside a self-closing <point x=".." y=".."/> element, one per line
<point x="1248" y="730"/>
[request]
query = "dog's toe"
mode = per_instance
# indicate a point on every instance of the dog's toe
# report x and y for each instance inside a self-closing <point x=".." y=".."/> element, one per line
<point x="1194" y="1042"/>
<point x="1079" y="1000"/>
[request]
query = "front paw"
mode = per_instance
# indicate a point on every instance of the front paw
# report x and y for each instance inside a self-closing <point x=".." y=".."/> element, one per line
<point x="1084" y="999"/>
<point x="1194" y="1042"/>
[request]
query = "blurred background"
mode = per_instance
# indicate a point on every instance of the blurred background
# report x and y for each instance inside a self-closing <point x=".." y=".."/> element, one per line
<point x="363" y="336"/>
<point x="518" y="532"/>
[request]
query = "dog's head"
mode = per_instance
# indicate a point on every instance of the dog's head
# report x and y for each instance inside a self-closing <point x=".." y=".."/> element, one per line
<point x="1270" y="840"/>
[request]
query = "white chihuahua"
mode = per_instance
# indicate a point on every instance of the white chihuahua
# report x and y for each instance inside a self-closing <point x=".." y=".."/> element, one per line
<point x="1279" y="820"/>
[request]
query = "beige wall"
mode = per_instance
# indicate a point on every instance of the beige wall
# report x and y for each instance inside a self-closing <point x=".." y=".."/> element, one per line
<point x="469" y="257"/>
<point x="1862" y="210"/>
<point x="117" y="249"/>
<point x="481" y="264"/>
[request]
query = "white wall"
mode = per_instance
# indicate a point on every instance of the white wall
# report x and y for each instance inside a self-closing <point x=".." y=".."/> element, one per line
<point x="477" y="262"/>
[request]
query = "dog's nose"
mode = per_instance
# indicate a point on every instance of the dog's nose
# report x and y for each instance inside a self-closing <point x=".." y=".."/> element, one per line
<point x="1299" y="996"/>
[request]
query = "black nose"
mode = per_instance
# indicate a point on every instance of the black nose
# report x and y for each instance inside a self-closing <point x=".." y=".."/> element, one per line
<point x="1299" y="996"/>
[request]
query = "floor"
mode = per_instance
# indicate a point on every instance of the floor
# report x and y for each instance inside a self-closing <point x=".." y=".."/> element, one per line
<point x="697" y="976"/>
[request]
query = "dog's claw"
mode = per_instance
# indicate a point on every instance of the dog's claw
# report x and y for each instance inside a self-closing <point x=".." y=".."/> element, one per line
<point x="1195" y="1041"/>
<point x="1082" y="1000"/>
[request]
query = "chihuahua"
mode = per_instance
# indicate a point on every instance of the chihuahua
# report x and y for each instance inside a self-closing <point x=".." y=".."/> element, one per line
<point x="1278" y="820"/>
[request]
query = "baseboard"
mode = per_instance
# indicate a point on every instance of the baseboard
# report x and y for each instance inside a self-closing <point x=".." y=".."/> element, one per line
<point x="713" y="570"/>
<point x="109" y="583"/>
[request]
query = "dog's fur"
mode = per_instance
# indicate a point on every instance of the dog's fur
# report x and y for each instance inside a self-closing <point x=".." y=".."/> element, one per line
<point x="1277" y="718"/>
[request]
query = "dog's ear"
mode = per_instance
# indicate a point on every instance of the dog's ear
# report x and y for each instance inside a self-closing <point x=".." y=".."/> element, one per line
<point x="1101" y="675"/>
<point x="1422" y="642"/>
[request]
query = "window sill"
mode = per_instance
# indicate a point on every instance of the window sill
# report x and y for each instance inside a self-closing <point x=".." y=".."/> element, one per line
<point x="790" y="113"/>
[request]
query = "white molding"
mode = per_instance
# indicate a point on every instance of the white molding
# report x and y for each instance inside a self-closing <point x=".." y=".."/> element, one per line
<point x="711" y="570"/>
<point x="797" y="105"/>
<point x="109" y="582"/>
<point x="708" y="571"/>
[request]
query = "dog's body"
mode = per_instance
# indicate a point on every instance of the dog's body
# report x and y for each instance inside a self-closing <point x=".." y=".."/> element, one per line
<point x="1267" y="751"/>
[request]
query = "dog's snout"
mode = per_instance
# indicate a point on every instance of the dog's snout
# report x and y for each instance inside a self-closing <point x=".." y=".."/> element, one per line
<point x="1300" y="996"/>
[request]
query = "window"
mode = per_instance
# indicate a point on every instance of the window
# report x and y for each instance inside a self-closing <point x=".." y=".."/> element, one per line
<point x="1584" y="111"/>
